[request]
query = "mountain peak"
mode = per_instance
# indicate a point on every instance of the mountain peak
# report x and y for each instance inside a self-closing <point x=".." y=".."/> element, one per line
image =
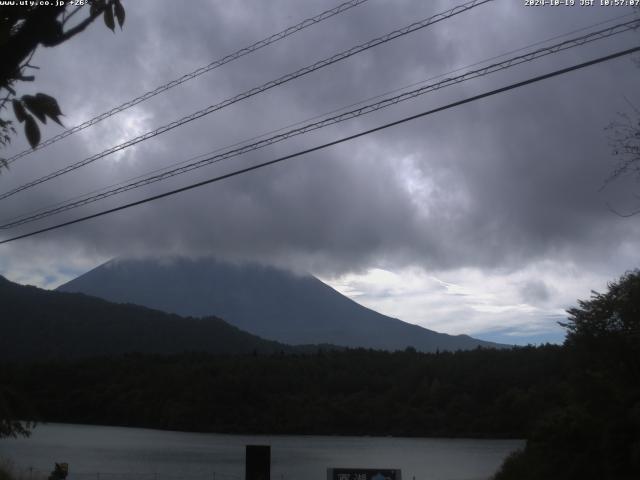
<point x="271" y="302"/>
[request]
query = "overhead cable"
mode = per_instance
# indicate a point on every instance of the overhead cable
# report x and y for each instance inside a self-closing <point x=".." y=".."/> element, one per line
<point x="326" y="145"/>
<point x="194" y="74"/>
<point x="387" y="102"/>
<point x="254" y="91"/>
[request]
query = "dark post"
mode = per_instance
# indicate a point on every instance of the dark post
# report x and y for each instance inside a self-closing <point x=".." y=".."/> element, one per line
<point x="258" y="462"/>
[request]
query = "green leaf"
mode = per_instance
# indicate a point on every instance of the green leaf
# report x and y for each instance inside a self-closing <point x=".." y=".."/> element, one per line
<point x="48" y="103"/>
<point x="33" y="105"/>
<point x="18" y="109"/>
<point x="108" y="18"/>
<point x="119" y="11"/>
<point x="96" y="7"/>
<point x="49" y="106"/>
<point x="32" y="131"/>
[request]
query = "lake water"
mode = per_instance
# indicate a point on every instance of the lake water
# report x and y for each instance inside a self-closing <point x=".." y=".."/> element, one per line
<point x="114" y="453"/>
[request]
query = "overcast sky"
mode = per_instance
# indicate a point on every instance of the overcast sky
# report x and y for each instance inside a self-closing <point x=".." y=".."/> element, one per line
<point x="487" y="219"/>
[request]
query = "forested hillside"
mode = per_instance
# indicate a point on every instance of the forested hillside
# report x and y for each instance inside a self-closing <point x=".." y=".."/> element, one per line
<point x="40" y="324"/>
<point x="577" y="404"/>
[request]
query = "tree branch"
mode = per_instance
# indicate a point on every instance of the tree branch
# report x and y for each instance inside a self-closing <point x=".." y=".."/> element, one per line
<point x="78" y="28"/>
<point x="35" y="28"/>
<point x="67" y="17"/>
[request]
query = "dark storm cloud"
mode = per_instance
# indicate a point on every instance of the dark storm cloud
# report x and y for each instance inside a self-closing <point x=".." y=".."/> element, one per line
<point x="535" y="291"/>
<point x="495" y="184"/>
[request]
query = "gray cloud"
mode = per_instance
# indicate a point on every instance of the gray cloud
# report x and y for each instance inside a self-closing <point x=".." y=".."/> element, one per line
<point x="535" y="291"/>
<point x="494" y="185"/>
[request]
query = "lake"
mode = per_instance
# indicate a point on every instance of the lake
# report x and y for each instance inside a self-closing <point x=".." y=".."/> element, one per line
<point x="115" y="453"/>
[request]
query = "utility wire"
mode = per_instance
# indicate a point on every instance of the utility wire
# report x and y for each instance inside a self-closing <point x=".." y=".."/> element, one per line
<point x="329" y="144"/>
<point x="196" y="73"/>
<point x="324" y="114"/>
<point x="618" y="17"/>
<point x="87" y="199"/>
<point x="254" y="91"/>
<point x="321" y="115"/>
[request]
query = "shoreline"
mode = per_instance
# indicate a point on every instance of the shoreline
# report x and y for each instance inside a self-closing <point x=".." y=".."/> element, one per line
<point x="277" y="435"/>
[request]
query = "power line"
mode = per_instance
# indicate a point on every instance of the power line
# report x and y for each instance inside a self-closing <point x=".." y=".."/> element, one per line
<point x="324" y="114"/>
<point x="329" y="144"/>
<point x="254" y="91"/>
<point x="195" y="73"/>
<point x="514" y="61"/>
<point x="85" y="199"/>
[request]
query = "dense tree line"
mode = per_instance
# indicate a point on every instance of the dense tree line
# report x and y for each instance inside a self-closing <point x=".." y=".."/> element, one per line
<point x="480" y="393"/>
<point x="577" y="404"/>
<point x="596" y="433"/>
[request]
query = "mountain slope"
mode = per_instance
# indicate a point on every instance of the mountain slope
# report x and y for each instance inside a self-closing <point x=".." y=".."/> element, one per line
<point x="41" y="324"/>
<point x="265" y="301"/>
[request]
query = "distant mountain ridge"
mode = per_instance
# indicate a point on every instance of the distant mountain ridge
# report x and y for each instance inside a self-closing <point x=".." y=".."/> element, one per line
<point x="266" y="301"/>
<point x="41" y="325"/>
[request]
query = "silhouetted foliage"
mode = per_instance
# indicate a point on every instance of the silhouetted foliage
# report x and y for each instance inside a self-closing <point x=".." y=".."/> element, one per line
<point x="23" y="28"/>
<point x="577" y="404"/>
<point x="596" y="434"/>
<point x="615" y="314"/>
<point x="478" y="393"/>
<point x="10" y="402"/>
